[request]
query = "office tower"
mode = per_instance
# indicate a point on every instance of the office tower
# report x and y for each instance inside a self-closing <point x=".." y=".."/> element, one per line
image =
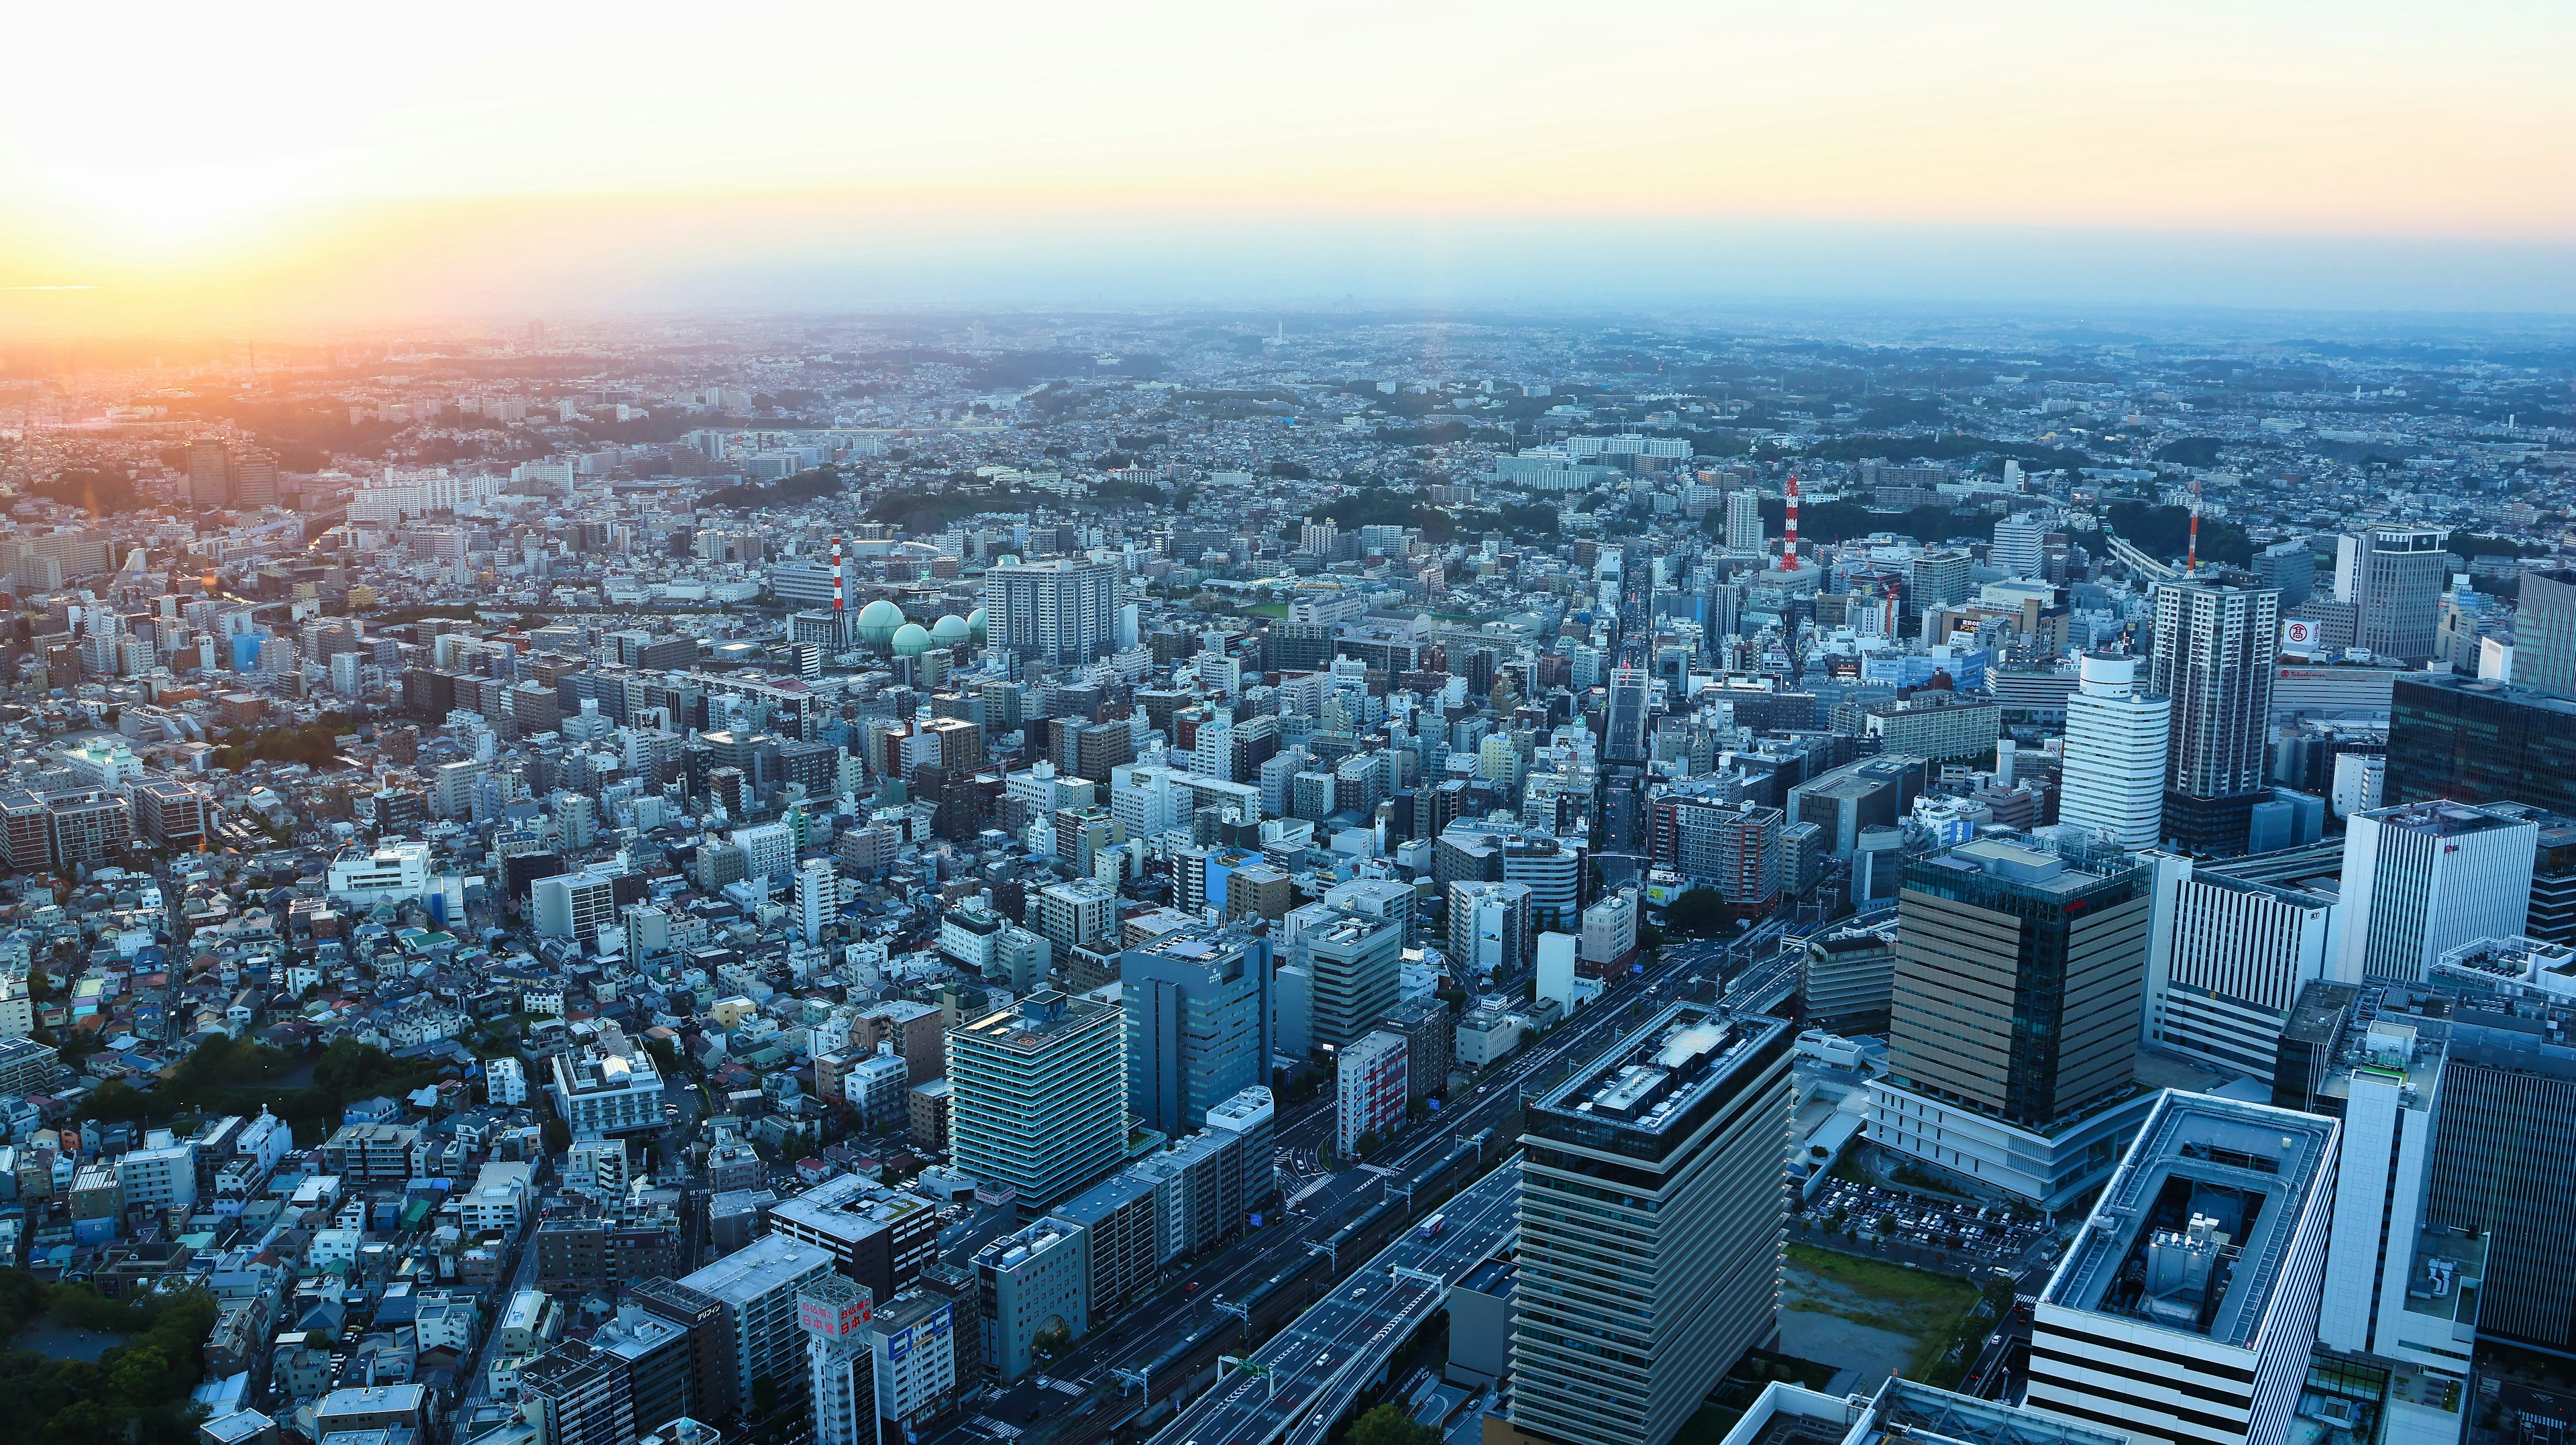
<point x="2289" y="568"/>
<point x="2186" y="1309"/>
<point x="1062" y="611"/>
<point x="2475" y="741"/>
<point x="2226" y="959"/>
<point x="2420" y="879"/>
<point x="2020" y="546"/>
<point x="1038" y="1096"/>
<point x="1650" y="1218"/>
<point x="840" y="1378"/>
<point x="2214" y="651"/>
<point x="2116" y="751"/>
<point x="756" y="1289"/>
<point x="2014" y="1016"/>
<point x="1197" y="1007"/>
<point x="209" y="474"/>
<point x="1490" y="929"/>
<point x="818" y="898"/>
<point x="2393" y="577"/>
<point x="254" y="483"/>
<point x="1744" y="520"/>
<point x="1354" y="966"/>
<point x="2467" y="1241"/>
<point x="573" y="905"/>
<point x="2544" y="632"/>
<point x="2383" y="1083"/>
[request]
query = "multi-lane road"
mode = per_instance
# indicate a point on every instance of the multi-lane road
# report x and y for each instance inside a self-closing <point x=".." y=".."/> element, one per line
<point x="1300" y="1382"/>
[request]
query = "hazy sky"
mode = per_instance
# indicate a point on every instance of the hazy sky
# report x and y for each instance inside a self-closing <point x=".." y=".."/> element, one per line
<point x="365" y="162"/>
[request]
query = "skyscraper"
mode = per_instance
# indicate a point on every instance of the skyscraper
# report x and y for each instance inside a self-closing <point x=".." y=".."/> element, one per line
<point x="2117" y="746"/>
<point x="2019" y="984"/>
<point x="209" y="474"/>
<point x="1038" y="1096"/>
<point x="2394" y="577"/>
<point x="2214" y="651"/>
<point x="1063" y="611"/>
<point x="1198" y="1017"/>
<point x="2420" y="879"/>
<point x="1651" y="1209"/>
<point x="2186" y="1309"/>
<point x="2544" y="632"/>
<point x="2480" y="742"/>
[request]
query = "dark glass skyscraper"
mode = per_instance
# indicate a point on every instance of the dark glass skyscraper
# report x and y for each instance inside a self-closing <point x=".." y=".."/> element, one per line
<point x="2476" y="741"/>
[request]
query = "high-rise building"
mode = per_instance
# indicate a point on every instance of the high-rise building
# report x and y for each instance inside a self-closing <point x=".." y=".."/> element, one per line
<point x="2544" y="632"/>
<point x="2019" y="984"/>
<point x="840" y="1377"/>
<point x="2214" y="652"/>
<point x="209" y="474"/>
<point x="2117" y="744"/>
<point x="2394" y="577"/>
<point x="1650" y="1218"/>
<point x="2020" y="546"/>
<point x="1061" y="611"/>
<point x="2226" y="959"/>
<point x="757" y="1287"/>
<point x="1354" y="965"/>
<point x="2185" y="1312"/>
<point x="1744" y="520"/>
<point x="2477" y="741"/>
<point x="2420" y="879"/>
<point x="2289" y="568"/>
<point x="635" y="1369"/>
<point x="1038" y="1096"/>
<point x="1198" y="1017"/>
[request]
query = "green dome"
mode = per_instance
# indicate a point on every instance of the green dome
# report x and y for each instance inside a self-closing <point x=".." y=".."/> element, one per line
<point x="950" y="630"/>
<point x="910" y="640"/>
<point x="878" y="621"/>
<point x="975" y="626"/>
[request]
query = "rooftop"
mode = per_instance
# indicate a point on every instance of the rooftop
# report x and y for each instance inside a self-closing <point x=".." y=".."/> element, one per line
<point x="1036" y="1021"/>
<point x="2192" y="1232"/>
<point x="1646" y="1093"/>
<point x="2443" y="818"/>
<point x="767" y="1263"/>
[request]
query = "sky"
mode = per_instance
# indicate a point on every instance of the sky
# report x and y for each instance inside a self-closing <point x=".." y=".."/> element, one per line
<point x="170" y="167"/>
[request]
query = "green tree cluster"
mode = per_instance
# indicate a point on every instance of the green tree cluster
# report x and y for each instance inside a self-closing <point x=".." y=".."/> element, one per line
<point x="137" y="1391"/>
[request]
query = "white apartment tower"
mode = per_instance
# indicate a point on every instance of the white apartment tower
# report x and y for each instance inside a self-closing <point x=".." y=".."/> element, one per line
<point x="2116" y="744"/>
<point x="1744" y="520"/>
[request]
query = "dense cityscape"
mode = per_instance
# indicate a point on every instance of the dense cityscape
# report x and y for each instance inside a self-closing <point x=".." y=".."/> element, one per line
<point x="1290" y="876"/>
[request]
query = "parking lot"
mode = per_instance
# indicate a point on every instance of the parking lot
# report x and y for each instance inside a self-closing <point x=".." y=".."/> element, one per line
<point x="1987" y="1234"/>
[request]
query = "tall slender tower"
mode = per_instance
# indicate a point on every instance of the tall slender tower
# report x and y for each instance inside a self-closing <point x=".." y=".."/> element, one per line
<point x="2214" y="650"/>
<point x="835" y="1313"/>
<point x="2116" y="745"/>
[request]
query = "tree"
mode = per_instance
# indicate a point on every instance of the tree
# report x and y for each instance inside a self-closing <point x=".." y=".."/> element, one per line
<point x="1051" y="1343"/>
<point x="1701" y="910"/>
<point x="558" y="1136"/>
<point x="1388" y="1425"/>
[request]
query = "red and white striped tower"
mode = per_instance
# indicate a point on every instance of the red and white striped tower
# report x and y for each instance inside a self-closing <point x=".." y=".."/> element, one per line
<point x="1789" y="537"/>
<point x="840" y="589"/>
